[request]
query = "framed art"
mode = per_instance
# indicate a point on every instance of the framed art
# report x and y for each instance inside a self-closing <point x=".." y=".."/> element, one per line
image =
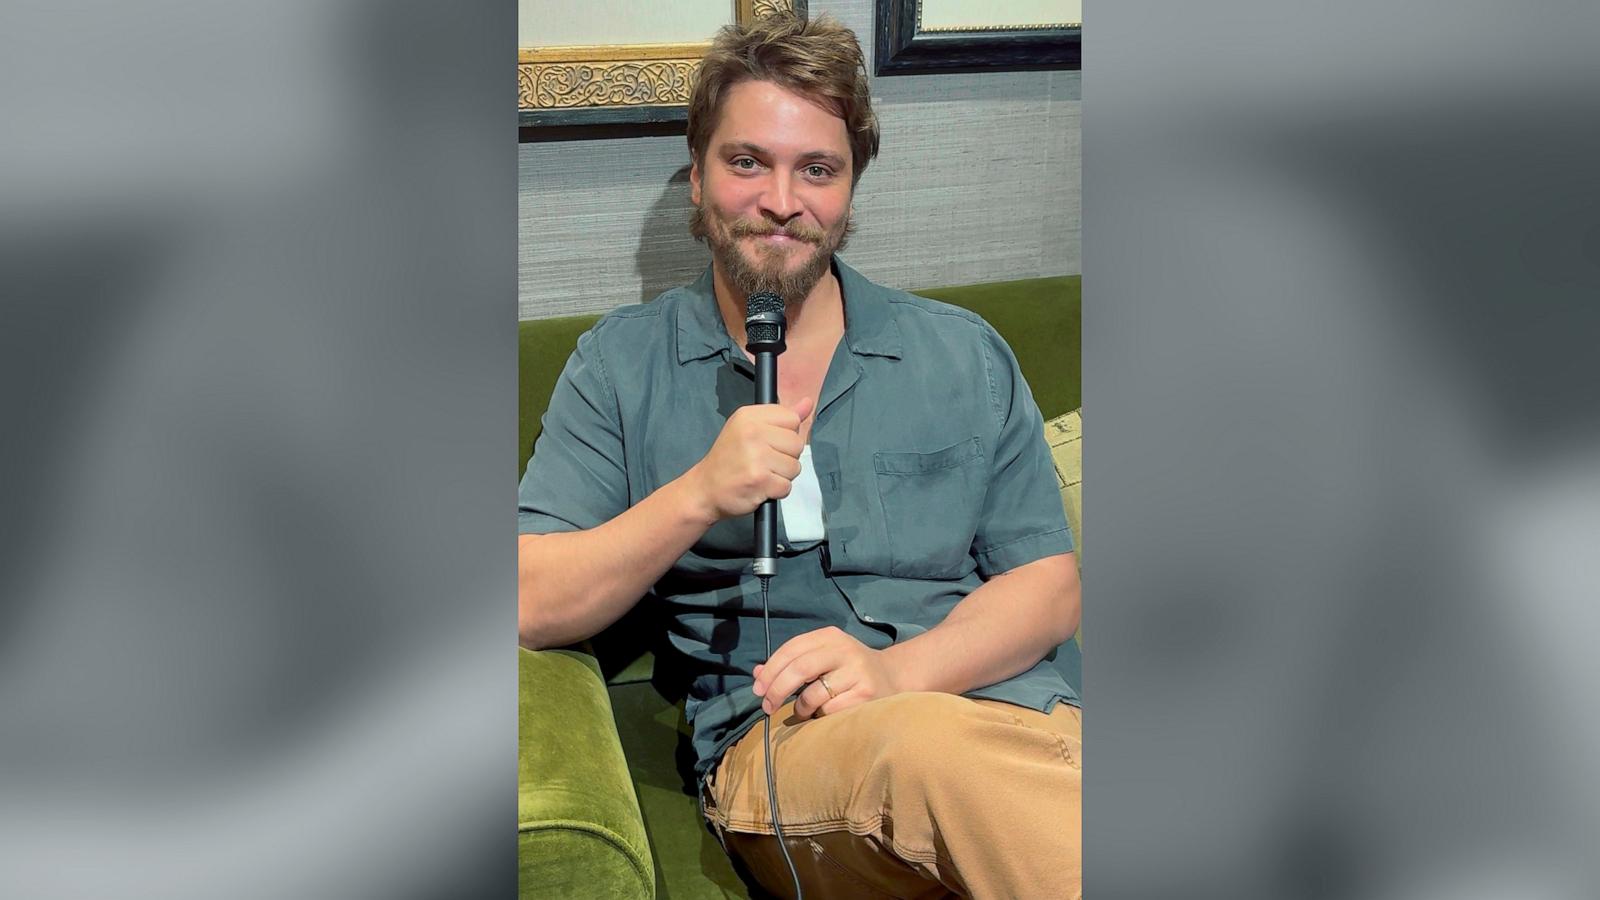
<point x="618" y="62"/>
<point x="923" y="36"/>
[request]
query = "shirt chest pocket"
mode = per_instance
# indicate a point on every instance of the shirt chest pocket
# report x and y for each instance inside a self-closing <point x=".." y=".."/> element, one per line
<point x="930" y="505"/>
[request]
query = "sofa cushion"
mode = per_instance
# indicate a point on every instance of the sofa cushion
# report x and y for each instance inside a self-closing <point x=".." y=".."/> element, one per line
<point x="1064" y="434"/>
<point x="690" y="864"/>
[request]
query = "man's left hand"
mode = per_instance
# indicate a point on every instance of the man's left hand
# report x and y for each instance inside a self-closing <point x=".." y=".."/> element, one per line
<point x="855" y="673"/>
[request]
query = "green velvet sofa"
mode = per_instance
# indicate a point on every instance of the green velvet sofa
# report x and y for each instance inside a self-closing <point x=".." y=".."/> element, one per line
<point x="605" y="804"/>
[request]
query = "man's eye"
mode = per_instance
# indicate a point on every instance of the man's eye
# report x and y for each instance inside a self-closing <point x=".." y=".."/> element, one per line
<point x="744" y="162"/>
<point x="818" y="171"/>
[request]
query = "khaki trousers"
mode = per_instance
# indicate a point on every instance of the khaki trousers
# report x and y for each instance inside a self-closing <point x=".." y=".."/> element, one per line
<point x="917" y="795"/>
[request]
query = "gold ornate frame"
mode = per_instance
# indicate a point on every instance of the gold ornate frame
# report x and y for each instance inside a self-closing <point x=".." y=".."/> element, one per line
<point x="622" y="84"/>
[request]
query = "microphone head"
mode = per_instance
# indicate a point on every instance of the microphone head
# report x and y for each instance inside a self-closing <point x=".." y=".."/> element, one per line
<point x="764" y="322"/>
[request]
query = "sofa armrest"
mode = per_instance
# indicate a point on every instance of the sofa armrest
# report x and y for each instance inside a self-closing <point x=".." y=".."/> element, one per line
<point x="579" y="828"/>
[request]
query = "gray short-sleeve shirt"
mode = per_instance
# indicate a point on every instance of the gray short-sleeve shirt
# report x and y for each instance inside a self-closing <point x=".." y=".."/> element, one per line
<point x="929" y="452"/>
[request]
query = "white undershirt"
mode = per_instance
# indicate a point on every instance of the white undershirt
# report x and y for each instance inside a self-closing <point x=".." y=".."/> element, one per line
<point x="802" y="509"/>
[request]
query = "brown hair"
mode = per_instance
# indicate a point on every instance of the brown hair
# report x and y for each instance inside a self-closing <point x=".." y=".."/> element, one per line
<point x="820" y="59"/>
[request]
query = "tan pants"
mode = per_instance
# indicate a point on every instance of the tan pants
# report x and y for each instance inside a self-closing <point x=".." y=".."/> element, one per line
<point x="917" y="795"/>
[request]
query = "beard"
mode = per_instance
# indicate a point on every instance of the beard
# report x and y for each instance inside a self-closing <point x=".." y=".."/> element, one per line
<point x="770" y="269"/>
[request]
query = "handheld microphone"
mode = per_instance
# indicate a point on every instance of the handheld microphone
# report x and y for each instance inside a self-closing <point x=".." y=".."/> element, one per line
<point x="764" y="327"/>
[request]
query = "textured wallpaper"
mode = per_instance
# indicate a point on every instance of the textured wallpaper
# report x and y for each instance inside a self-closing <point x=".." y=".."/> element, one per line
<point x="977" y="179"/>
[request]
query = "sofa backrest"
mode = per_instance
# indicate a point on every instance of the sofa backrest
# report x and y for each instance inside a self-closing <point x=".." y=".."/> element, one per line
<point x="1041" y="318"/>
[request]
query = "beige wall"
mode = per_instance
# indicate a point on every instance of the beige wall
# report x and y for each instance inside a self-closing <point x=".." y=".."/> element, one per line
<point x="566" y="23"/>
<point x="969" y="13"/>
<point x="977" y="180"/>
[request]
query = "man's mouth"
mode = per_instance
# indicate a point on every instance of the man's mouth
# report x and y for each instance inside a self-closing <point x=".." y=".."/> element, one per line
<point x="775" y="238"/>
<point x="780" y="239"/>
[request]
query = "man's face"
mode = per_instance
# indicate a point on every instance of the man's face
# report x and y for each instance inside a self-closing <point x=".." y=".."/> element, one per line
<point x="773" y="190"/>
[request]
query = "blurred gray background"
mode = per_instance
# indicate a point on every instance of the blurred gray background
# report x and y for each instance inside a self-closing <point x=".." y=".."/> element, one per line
<point x="257" y="599"/>
<point x="1340" y="284"/>
<point x="260" y="277"/>
<point x="977" y="179"/>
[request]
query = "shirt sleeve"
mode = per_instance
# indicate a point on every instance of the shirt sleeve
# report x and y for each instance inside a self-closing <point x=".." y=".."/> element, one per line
<point x="576" y="478"/>
<point x="1022" y="518"/>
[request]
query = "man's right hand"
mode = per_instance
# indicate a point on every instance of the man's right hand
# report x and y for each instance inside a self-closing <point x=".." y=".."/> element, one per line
<point x="756" y="458"/>
<point x="573" y="584"/>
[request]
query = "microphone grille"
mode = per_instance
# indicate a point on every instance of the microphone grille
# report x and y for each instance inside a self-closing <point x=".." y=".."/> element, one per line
<point x="762" y="302"/>
<point x="763" y="318"/>
<point x="761" y="333"/>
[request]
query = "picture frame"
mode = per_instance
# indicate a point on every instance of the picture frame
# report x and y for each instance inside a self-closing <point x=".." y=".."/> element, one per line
<point x="905" y="46"/>
<point x="641" y="84"/>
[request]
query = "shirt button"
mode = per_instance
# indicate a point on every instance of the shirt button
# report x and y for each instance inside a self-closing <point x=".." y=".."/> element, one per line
<point x="782" y="548"/>
<point x="868" y="619"/>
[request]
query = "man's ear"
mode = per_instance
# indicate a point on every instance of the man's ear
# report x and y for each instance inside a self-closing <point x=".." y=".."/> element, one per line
<point x="694" y="182"/>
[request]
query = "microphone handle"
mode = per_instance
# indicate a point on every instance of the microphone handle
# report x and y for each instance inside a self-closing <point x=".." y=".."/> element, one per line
<point x="766" y="562"/>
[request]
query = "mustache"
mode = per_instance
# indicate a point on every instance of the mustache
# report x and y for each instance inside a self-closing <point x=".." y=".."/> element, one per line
<point x="800" y="231"/>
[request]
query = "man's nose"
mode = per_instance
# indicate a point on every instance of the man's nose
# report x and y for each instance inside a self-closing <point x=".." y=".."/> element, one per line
<point x="778" y="201"/>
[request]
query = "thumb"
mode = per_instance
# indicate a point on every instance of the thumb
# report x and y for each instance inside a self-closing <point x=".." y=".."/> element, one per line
<point x="804" y="407"/>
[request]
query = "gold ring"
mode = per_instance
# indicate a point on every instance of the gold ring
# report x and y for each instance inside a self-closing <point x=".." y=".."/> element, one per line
<point x="824" y="680"/>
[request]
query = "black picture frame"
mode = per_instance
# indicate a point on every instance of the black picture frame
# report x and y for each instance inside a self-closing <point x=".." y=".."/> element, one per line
<point x="901" y="48"/>
<point x="618" y="118"/>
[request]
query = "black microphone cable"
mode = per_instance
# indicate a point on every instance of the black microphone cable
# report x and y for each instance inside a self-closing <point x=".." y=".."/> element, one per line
<point x="765" y="324"/>
<point x="766" y="744"/>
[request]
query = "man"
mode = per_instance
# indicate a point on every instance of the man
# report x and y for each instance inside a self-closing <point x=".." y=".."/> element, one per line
<point x="919" y="739"/>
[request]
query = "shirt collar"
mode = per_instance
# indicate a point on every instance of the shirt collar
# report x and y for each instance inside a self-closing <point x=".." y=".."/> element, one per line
<point x="869" y="325"/>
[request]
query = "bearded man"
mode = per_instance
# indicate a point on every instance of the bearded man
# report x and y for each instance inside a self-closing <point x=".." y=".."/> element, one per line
<point x="922" y="743"/>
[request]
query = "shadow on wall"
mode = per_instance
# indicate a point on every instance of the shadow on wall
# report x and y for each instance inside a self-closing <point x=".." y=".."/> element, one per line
<point x="668" y="257"/>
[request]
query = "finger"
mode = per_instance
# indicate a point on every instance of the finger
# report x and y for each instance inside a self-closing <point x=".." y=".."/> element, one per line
<point x="843" y="680"/>
<point x="839" y="682"/>
<point x="811" y="699"/>
<point x="841" y="701"/>
<point x="795" y="675"/>
<point x="779" y="463"/>
<point x="766" y="685"/>
<point x="804" y="407"/>
<point x="781" y="683"/>
<point x="777" y="415"/>
<point x="778" y="487"/>
<point x="767" y="671"/>
<point x="786" y="441"/>
<point x="788" y="650"/>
